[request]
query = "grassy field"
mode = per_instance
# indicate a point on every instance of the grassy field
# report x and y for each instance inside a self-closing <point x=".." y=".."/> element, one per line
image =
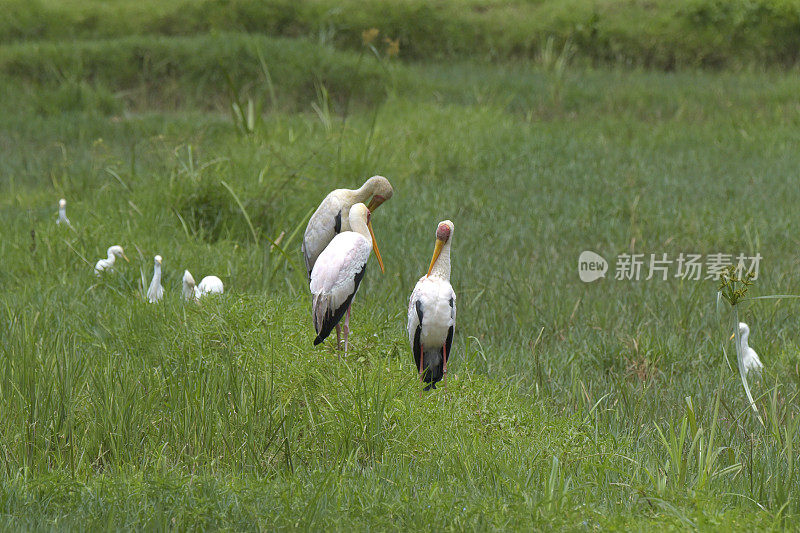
<point x="570" y="405"/>
<point x="663" y="34"/>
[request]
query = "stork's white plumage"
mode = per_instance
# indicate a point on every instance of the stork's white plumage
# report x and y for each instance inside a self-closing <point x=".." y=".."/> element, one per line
<point x="208" y="285"/>
<point x="338" y="272"/>
<point x="750" y="360"/>
<point x="432" y="312"/>
<point x="108" y="263"/>
<point x="156" y="291"/>
<point x="62" y="214"/>
<point x="333" y="215"/>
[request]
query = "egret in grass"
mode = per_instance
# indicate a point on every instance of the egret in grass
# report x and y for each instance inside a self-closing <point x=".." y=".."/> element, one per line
<point x="208" y="285"/>
<point x="156" y="291"/>
<point x="338" y="272"/>
<point x="332" y="216"/>
<point x="108" y="264"/>
<point x="432" y="313"/>
<point x="62" y="214"/>
<point x="750" y="360"/>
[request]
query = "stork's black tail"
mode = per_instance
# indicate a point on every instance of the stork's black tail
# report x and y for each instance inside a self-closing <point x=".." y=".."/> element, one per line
<point x="433" y="368"/>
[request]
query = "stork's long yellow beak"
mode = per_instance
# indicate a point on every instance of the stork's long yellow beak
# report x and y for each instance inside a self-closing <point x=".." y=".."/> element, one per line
<point x="732" y="336"/>
<point x="125" y="257"/>
<point x="375" y="246"/>
<point x="436" y="251"/>
<point x="375" y="202"/>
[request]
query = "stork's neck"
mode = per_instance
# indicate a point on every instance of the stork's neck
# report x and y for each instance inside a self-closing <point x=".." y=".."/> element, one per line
<point x="111" y="257"/>
<point x="62" y="211"/>
<point x="156" y="274"/>
<point x="441" y="268"/>
<point x="363" y="194"/>
<point x="360" y="226"/>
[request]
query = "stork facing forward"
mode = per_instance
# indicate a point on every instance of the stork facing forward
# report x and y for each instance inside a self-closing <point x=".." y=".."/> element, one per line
<point x="333" y="215"/>
<point x="338" y="272"/>
<point x="432" y="313"/>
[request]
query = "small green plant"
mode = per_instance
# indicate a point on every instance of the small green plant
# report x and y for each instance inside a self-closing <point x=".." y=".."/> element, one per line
<point x="692" y="454"/>
<point x="733" y="286"/>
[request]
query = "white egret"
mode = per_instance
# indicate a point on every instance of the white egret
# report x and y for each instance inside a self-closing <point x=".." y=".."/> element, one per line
<point x="156" y="291"/>
<point x="62" y="214"/>
<point x="108" y="264"/>
<point x="332" y="216"/>
<point x="432" y="313"/>
<point x="208" y="285"/>
<point x="338" y="272"/>
<point x="750" y="360"/>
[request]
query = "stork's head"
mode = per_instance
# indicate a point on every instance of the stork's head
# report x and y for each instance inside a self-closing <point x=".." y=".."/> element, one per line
<point x="380" y="190"/>
<point x="157" y="260"/>
<point x="62" y="203"/>
<point x="444" y="232"/>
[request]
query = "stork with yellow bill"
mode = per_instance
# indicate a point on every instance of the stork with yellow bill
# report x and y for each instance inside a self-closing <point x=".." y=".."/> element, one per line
<point x="332" y="217"/>
<point x="338" y="272"/>
<point x="432" y="313"/>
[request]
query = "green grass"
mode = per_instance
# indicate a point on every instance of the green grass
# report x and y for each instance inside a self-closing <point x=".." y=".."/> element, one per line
<point x="664" y="34"/>
<point x="121" y="414"/>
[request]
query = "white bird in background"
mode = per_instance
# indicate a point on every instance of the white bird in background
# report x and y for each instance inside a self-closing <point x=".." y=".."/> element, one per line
<point x="208" y="285"/>
<point x="333" y="215"/>
<point x="338" y="272"/>
<point x="62" y="214"/>
<point x="750" y="360"/>
<point x="108" y="263"/>
<point x="432" y="313"/>
<point x="156" y="291"/>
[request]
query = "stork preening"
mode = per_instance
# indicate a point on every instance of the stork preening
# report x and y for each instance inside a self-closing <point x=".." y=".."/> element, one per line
<point x="208" y="285"/>
<point x="338" y="272"/>
<point x="62" y="214"/>
<point x="108" y="263"/>
<point x="432" y="313"/>
<point x="333" y="216"/>
<point x="156" y="291"/>
<point x="750" y="360"/>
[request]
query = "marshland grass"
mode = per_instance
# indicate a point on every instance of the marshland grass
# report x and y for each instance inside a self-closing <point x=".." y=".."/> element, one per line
<point x="572" y="406"/>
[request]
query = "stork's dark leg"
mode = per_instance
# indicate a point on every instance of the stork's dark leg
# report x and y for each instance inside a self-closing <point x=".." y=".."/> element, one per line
<point x="346" y="329"/>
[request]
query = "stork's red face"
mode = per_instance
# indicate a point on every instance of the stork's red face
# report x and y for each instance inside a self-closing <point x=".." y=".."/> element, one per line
<point x="443" y="232"/>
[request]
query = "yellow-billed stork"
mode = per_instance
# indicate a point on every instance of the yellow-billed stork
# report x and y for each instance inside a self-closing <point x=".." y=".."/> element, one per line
<point x="208" y="285"/>
<point x="338" y="272"/>
<point x="332" y="216"/>
<point x="108" y="264"/>
<point x="432" y="312"/>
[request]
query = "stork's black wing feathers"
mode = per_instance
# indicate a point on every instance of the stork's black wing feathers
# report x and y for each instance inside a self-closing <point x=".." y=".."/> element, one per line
<point x="449" y="342"/>
<point x="337" y="222"/>
<point x="417" y="348"/>
<point x="332" y="317"/>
